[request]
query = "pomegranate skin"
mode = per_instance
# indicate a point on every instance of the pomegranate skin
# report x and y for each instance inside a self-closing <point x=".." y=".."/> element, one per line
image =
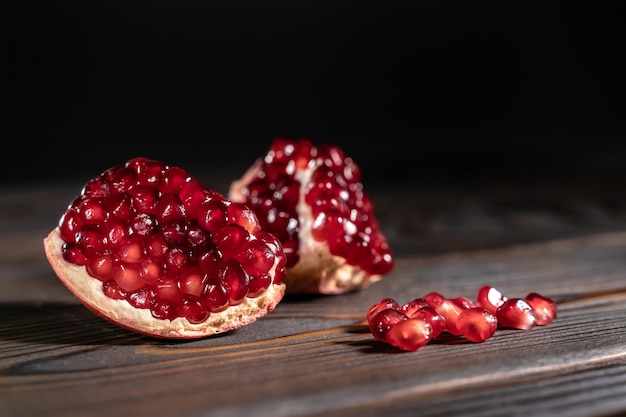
<point x="313" y="200"/>
<point x="143" y="247"/>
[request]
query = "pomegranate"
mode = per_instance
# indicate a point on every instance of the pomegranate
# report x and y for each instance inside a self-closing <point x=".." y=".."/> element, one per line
<point x="149" y="248"/>
<point x="312" y="199"/>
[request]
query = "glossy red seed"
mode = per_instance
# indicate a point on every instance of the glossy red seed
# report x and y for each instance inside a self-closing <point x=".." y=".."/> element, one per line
<point x="434" y="299"/>
<point x="384" y="304"/>
<point x="413" y="306"/>
<point x="476" y="324"/>
<point x="489" y="298"/>
<point x="128" y="276"/>
<point x="193" y="311"/>
<point x="450" y="309"/>
<point x="235" y="280"/>
<point x="545" y="308"/>
<point x="383" y="321"/>
<point x="256" y="257"/>
<point x="517" y="314"/>
<point x="430" y="315"/>
<point x="410" y="334"/>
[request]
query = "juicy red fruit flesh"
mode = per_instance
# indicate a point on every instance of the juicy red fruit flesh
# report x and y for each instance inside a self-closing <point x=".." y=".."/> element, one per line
<point x="342" y="214"/>
<point x="157" y="238"/>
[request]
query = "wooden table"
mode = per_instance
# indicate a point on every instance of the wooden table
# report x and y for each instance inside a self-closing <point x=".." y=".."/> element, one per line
<point x="314" y="356"/>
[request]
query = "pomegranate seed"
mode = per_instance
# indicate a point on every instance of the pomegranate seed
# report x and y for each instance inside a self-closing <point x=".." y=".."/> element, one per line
<point x="410" y="334"/>
<point x="476" y="324"/>
<point x="544" y="308"/>
<point x="384" y="304"/>
<point x="450" y="309"/>
<point x="413" y="306"/>
<point x="517" y="314"/>
<point x="236" y="281"/>
<point x="436" y="320"/>
<point x="489" y="298"/>
<point x="128" y="276"/>
<point x="193" y="311"/>
<point x="384" y="320"/>
<point x="434" y="299"/>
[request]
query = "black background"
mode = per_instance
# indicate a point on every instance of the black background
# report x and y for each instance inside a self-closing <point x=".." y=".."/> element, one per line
<point x="414" y="91"/>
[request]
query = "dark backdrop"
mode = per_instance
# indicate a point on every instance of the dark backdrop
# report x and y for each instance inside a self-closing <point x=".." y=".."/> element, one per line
<point x="421" y="91"/>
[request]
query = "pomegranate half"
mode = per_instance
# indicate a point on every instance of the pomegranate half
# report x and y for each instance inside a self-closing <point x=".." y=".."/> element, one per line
<point x="149" y="248"/>
<point x="312" y="199"/>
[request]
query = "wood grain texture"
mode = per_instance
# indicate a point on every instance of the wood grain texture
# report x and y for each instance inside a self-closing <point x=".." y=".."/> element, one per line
<point x="313" y="355"/>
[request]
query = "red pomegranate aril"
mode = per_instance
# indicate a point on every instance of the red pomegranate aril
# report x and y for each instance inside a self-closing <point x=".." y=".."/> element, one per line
<point x="157" y="238"/>
<point x="128" y="276"/>
<point x="91" y="211"/>
<point x="231" y="240"/>
<point x="112" y="290"/>
<point x="450" y="309"/>
<point x="489" y="298"/>
<point x="144" y="198"/>
<point x="434" y="299"/>
<point x="476" y="324"/>
<point x="173" y="179"/>
<point x="142" y="298"/>
<point x="436" y="320"/>
<point x="132" y="250"/>
<point x="413" y="306"/>
<point x="311" y="199"/>
<point x="101" y="267"/>
<point x="120" y="206"/>
<point x="212" y="215"/>
<point x="544" y="308"/>
<point x="256" y="258"/>
<point x="257" y="284"/>
<point x="166" y="288"/>
<point x="73" y="255"/>
<point x="384" y="320"/>
<point x="235" y="280"/>
<point x="90" y="241"/>
<point x="410" y="334"/>
<point x="193" y="311"/>
<point x="384" y="304"/>
<point x="192" y="281"/>
<point x="173" y="232"/>
<point x="151" y="270"/>
<point x="169" y="208"/>
<point x="516" y="313"/>
<point x="215" y="296"/>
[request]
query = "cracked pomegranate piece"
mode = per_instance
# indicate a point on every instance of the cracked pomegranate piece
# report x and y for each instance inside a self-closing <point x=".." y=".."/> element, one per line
<point x="149" y="248"/>
<point x="544" y="308"/>
<point x="312" y="199"/>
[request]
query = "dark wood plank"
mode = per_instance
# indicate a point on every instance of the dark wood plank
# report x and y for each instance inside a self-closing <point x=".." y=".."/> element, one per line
<point x="314" y="356"/>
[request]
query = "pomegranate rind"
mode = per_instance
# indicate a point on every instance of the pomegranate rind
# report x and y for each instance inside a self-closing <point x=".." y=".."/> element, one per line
<point x="89" y="292"/>
<point x="318" y="271"/>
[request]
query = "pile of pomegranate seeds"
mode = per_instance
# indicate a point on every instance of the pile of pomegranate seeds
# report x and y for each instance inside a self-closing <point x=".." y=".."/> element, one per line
<point x="414" y="324"/>
<point x="157" y="238"/>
